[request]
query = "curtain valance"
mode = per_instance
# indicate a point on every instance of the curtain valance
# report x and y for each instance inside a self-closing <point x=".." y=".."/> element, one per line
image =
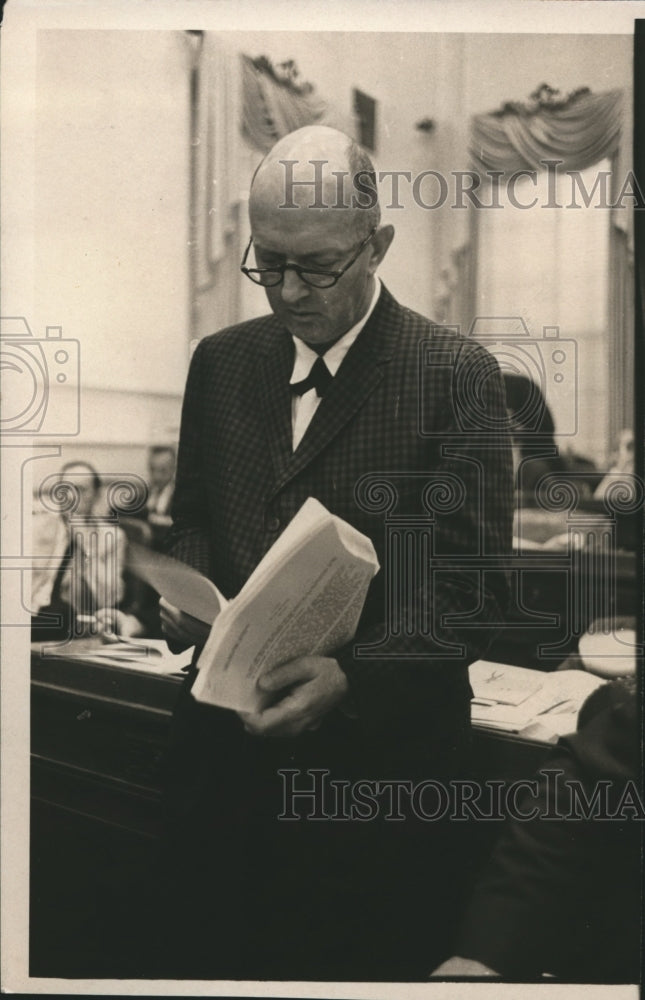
<point x="579" y="130"/>
<point x="275" y="101"/>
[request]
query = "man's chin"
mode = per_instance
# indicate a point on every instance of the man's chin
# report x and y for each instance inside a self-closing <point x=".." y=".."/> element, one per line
<point x="310" y="330"/>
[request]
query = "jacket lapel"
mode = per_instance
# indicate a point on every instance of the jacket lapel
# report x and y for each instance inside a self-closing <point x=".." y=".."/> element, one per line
<point x="356" y="379"/>
<point x="274" y="397"/>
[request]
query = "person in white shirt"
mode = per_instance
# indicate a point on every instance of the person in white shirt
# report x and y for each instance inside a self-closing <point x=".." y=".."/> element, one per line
<point x="78" y="559"/>
<point x="161" y="478"/>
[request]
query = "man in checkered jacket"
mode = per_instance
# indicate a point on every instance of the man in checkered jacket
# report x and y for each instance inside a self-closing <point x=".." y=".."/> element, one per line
<point x="401" y="433"/>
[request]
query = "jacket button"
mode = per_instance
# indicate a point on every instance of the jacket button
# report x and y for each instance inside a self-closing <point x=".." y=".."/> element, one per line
<point x="273" y="524"/>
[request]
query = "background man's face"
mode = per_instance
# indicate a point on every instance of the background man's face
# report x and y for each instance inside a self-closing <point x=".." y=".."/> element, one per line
<point x="162" y="468"/>
<point x="79" y="477"/>
<point x="320" y="239"/>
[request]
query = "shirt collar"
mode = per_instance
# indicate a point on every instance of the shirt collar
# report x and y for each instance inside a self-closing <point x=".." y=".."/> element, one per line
<point x="305" y="356"/>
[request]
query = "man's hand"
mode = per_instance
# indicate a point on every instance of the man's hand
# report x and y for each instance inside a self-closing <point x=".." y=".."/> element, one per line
<point x="160" y="520"/>
<point x="466" y="967"/>
<point x="116" y="622"/>
<point x="315" y="684"/>
<point x="177" y="625"/>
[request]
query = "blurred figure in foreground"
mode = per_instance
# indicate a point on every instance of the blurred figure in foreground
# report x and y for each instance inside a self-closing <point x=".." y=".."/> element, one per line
<point x="561" y="895"/>
<point x="623" y="463"/>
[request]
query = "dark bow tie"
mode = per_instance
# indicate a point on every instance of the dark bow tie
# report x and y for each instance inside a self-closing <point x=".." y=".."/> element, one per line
<point x="319" y="378"/>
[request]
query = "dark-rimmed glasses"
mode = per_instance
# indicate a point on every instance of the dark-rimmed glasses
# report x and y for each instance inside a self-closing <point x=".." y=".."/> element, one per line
<point x="268" y="277"/>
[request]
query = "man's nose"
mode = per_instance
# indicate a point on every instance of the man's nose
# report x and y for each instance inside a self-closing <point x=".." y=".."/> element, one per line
<point x="293" y="287"/>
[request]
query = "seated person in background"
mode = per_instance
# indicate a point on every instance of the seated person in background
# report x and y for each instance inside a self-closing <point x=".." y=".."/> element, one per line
<point x="623" y="463"/>
<point x="533" y="432"/>
<point x="80" y="586"/>
<point x="536" y="448"/>
<point x="585" y="469"/>
<point x="161" y="478"/>
<point x="561" y="896"/>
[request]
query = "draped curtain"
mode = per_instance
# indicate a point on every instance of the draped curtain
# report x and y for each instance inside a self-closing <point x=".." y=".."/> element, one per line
<point x="240" y="106"/>
<point x="215" y="153"/>
<point x="275" y="102"/>
<point x="579" y="130"/>
<point x="235" y="96"/>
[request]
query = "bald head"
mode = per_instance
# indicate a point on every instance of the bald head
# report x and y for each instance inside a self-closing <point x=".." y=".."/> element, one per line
<point x="311" y="142"/>
<point x="320" y="170"/>
<point x="314" y="211"/>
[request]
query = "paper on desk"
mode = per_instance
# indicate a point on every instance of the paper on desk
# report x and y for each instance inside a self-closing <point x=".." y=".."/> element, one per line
<point x="149" y="655"/>
<point x="557" y="722"/>
<point x="551" y="726"/>
<point x="542" y="734"/>
<point x="500" y="683"/>
<point x="553" y="701"/>
<point x="179" y="584"/>
<point x="572" y="685"/>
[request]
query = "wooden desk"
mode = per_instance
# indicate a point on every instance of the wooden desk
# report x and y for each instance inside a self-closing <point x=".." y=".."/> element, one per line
<point x="554" y="601"/>
<point x="99" y="735"/>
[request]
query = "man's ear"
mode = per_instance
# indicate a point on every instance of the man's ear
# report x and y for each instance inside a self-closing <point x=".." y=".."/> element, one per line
<point x="380" y="245"/>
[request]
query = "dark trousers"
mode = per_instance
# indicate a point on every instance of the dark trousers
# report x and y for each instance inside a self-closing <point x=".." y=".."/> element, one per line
<point x="53" y="623"/>
<point x="245" y="894"/>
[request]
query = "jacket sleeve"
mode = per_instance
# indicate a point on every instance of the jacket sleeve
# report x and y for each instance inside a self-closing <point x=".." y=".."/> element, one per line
<point x="442" y="607"/>
<point x="188" y="538"/>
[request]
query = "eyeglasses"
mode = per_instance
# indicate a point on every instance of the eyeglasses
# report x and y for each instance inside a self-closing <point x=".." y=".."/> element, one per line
<point x="268" y="277"/>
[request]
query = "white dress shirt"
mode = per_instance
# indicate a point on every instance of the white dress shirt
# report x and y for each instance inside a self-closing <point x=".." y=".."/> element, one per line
<point x="50" y="538"/>
<point x="303" y="407"/>
<point x="159" y="500"/>
<point x="99" y="560"/>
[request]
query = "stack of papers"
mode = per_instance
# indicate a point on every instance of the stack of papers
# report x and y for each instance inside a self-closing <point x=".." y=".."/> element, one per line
<point x="180" y="584"/>
<point x="532" y="703"/>
<point x="304" y="598"/>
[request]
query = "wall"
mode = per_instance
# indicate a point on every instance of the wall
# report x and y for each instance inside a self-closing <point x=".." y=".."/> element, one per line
<point x="393" y="69"/>
<point x="567" y="258"/>
<point x="499" y="68"/>
<point x="112" y="161"/>
<point x="113" y="176"/>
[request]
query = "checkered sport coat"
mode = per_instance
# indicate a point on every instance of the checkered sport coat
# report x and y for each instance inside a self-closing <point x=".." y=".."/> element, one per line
<point x="409" y="446"/>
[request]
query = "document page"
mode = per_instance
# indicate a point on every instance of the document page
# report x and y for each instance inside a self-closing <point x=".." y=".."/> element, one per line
<point x="518" y="699"/>
<point x="178" y="583"/>
<point x="308" y="602"/>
